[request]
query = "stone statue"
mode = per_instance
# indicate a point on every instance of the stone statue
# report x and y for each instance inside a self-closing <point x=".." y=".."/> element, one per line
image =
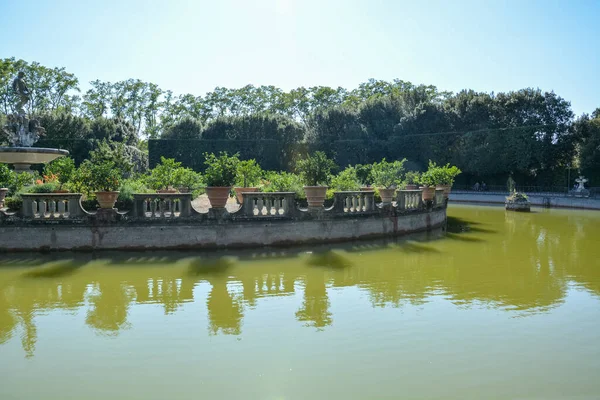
<point x="20" y="131"/>
<point x="580" y="183"/>
<point x="580" y="190"/>
<point x="20" y="88"/>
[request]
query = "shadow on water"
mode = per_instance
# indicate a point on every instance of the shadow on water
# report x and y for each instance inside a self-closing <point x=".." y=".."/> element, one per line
<point x="55" y="269"/>
<point x="210" y="267"/>
<point x="335" y="259"/>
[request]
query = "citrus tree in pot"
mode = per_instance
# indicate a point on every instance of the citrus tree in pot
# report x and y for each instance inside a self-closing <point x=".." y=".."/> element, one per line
<point x="412" y="180"/>
<point x="315" y="172"/>
<point x="443" y="176"/>
<point x="248" y="178"/>
<point x="104" y="179"/>
<point x="387" y="176"/>
<point x="220" y="176"/>
<point x="7" y="178"/>
<point x="428" y="182"/>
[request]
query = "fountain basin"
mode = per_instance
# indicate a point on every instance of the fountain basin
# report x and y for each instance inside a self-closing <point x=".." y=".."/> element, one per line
<point x="23" y="157"/>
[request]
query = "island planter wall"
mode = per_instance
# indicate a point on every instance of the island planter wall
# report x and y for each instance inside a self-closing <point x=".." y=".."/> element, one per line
<point x="168" y="221"/>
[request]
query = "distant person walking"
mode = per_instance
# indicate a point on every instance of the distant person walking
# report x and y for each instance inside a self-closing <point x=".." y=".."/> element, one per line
<point x="476" y="187"/>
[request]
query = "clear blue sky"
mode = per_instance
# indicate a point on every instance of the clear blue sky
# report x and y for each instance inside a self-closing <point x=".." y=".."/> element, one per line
<point x="194" y="46"/>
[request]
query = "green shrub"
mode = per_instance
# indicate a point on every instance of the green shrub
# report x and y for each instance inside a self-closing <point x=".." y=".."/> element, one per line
<point x="283" y="182"/>
<point x="105" y="177"/>
<point x="315" y="170"/>
<point x="364" y="174"/>
<point x="412" y="178"/>
<point x="221" y="170"/>
<point x="346" y="180"/>
<point x="48" y="187"/>
<point x="13" y="203"/>
<point x="190" y="180"/>
<point x="7" y="177"/>
<point x="441" y="175"/>
<point x="81" y="179"/>
<point x="23" y="181"/>
<point x="128" y="188"/>
<point x="388" y="174"/>
<point x="165" y="175"/>
<point x="248" y="173"/>
<point x="63" y="168"/>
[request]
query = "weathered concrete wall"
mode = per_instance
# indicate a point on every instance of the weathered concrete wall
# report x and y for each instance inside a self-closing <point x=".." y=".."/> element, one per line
<point x="536" y="200"/>
<point x="165" y="235"/>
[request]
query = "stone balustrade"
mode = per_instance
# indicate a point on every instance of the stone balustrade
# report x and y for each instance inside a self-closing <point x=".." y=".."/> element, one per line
<point x="274" y="204"/>
<point x="162" y="205"/>
<point x="354" y="202"/>
<point x="256" y="205"/>
<point x="48" y="206"/>
<point x="410" y="200"/>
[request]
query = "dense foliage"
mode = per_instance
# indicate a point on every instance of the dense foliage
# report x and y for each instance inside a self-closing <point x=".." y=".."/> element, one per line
<point x="528" y="133"/>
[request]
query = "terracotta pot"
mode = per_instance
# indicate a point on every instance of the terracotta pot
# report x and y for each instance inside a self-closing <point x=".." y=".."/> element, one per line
<point x="61" y="191"/>
<point x="315" y="195"/>
<point x="3" y="192"/>
<point x="387" y="195"/>
<point x="428" y="193"/>
<point x="240" y="190"/>
<point x="218" y="195"/>
<point x="445" y="188"/>
<point x="107" y="199"/>
<point x="166" y="191"/>
<point x="412" y="187"/>
<point x="367" y="189"/>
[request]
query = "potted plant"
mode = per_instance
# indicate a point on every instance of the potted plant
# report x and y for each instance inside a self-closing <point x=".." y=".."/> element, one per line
<point x="220" y="176"/>
<point x="428" y="184"/>
<point x="7" y="177"/>
<point x="412" y="180"/>
<point x="387" y="176"/>
<point x="61" y="168"/>
<point x="165" y="176"/>
<point x="248" y="177"/>
<point x="315" y="172"/>
<point x="444" y="177"/>
<point x="104" y="180"/>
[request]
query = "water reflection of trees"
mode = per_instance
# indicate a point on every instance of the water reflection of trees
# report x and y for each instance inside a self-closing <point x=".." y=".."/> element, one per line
<point x="515" y="261"/>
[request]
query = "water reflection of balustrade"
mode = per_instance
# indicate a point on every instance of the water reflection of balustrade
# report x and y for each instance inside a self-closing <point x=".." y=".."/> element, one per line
<point x="274" y="204"/>
<point x="354" y="202"/>
<point x="410" y="200"/>
<point x="162" y="205"/>
<point x="52" y="206"/>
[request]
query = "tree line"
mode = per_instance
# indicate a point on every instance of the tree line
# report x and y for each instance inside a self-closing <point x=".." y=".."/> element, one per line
<point x="530" y="134"/>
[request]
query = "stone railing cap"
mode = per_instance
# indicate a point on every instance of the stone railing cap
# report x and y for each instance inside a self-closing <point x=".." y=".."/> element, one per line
<point x="50" y="194"/>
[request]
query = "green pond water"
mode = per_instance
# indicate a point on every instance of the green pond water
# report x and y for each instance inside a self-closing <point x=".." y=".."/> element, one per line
<point x="501" y="306"/>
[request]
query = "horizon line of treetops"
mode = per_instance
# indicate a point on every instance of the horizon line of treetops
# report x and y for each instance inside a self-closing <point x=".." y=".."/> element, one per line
<point x="535" y="131"/>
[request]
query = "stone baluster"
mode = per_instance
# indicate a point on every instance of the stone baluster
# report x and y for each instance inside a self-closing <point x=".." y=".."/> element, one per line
<point x="409" y="200"/>
<point x="353" y="202"/>
<point x="277" y="204"/>
<point x="52" y="206"/>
